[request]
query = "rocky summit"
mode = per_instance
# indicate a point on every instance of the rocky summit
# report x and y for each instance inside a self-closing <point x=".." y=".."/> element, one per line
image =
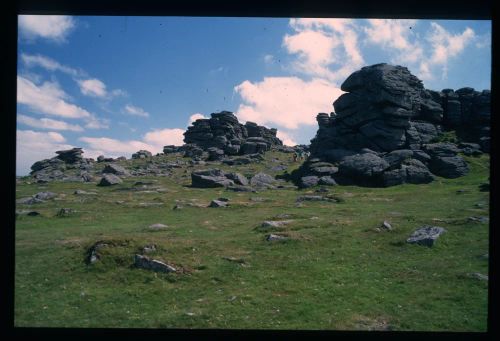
<point x="383" y="130"/>
<point x="222" y="135"/>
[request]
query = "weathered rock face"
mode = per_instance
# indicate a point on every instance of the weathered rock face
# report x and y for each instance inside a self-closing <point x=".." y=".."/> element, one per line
<point x="54" y="168"/>
<point x="382" y="130"/>
<point x="142" y="154"/>
<point x="222" y="135"/>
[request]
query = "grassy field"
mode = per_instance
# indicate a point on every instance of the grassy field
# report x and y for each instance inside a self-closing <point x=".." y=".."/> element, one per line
<point x="335" y="272"/>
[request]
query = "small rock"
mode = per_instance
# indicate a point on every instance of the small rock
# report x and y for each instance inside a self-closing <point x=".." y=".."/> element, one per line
<point x="386" y="225"/>
<point x="158" y="227"/>
<point x="479" y="276"/>
<point x="274" y="223"/>
<point x="178" y="207"/>
<point x="426" y="235"/>
<point x="275" y="237"/>
<point x="146" y="263"/>
<point x="479" y="219"/>
<point x="235" y="260"/>
<point x="149" y="248"/>
<point x="283" y="216"/>
<point x="65" y="212"/>
<point x="218" y="203"/>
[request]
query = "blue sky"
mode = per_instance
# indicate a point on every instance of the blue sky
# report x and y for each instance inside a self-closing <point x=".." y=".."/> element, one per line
<point x="114" y="85"/>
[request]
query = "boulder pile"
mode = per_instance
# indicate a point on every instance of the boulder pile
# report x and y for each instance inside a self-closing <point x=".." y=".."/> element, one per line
<point x="384" y="131"/>
<point x="223" y="135"/>
<point x="54" y="168"/>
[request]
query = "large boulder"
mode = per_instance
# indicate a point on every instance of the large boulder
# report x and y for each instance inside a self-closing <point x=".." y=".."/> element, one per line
<point x="363" y="168"/>
<point x="262" y="180"/>
<point x="109" y="180"/>
<point x="210" y="178"/>
<point x="115" y="169"/>
<point x="142" y="154"/>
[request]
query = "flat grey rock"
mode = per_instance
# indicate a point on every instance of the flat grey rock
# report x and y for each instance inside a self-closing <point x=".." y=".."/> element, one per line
<point x="426" y="235"/>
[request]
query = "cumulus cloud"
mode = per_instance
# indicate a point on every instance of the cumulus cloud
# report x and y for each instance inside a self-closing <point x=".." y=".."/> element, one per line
<point x="161" y="137"/>
<point x="326" y="48"/>
<point x="33" y="146"/>
<point x="53" y="27"/>
<point x="423" y="55"/>
<point x="48" y="64"/>
<point x="152" y="141"/>
<point x="286" y="138"/>
<point x="93" y="87"/>
<point x="47" y="98"/>
<point x="47" y="123"/>
<point x="135" y="111"/>
<point x="195" y="117"/>
<point x="287" y="102"/>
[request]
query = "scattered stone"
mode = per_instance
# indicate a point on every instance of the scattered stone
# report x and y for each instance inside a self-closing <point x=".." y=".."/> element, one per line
<point x="479" y="276"/>
<point x="210" y="178"/>
<point x="386" y="226"/>
<point x="28" y="201"/>
<point x="235" y="260"/>
<point x="158" y="226"/>
<point x="109" y="180"/>
<point x="45" y="195"/>
<point x="275" y="237"/>
<point x="115" y="169"/>
<point x="82" y="192"/>
<point x="146" y="263"/>
<point x="315" y="198"/>
<point x="149" y="248"/>
<point x="65" y="212"/>
<point x="479" y="219"/>
<point x="426" y="235"/>
<point x="218" y="203"/>
<point x="263" y="180"/>
<point x="178" y="207"/>
<point x="93" y="254"/>
<point x="283" y="216"/>
<point x="275" y="223"/>
<point x="28" y="213"/>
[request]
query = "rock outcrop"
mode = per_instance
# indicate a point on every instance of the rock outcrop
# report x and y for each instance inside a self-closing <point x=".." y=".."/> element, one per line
<point x="383" y="129"/>
<point x="56" y="167"/>
<point x="223" y="135"/>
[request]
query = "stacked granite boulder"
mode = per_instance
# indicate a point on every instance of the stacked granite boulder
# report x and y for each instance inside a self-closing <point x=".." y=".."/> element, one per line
<point x="382" y="130"/>
<point x="56" y="167"/>
<point x="223" y="135"/>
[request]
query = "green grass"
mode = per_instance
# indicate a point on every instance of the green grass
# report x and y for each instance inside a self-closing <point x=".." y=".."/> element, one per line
<point x="336" y="272"/>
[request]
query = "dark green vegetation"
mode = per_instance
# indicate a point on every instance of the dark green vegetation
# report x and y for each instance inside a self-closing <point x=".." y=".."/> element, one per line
<point x="336" y="272"/>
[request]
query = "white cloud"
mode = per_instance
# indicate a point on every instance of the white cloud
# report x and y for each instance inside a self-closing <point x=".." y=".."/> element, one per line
<point x="326" y="48"/>
<point x="152" y="141"/>
<point x="119" y="93"/>
<point x="286" y="138"/>
<point x="92" y="87"/>
<point x="33" y="146"/>
<point x="162" y="137"/>
<point x="48" y="98"/>
<point x="47" y="123"/>
<point x="94" y="122"/>
<point x="135" y="111"/>
<point x="54" y="27"/>
<point x="195" y="117"/>
<point x="268" y="58"/>
<point x="285" y="101"/>
<point x="446" y="45"/>
<point x="407" y="48"/>
<point x="48" y="63"/>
